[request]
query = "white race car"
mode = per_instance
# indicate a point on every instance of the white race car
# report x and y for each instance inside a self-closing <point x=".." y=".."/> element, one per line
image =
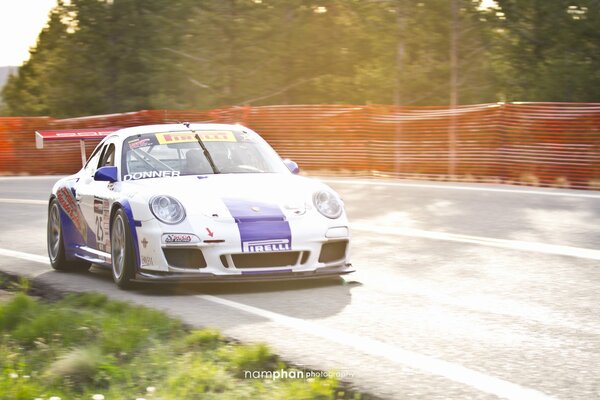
<point x="195" y="202"/>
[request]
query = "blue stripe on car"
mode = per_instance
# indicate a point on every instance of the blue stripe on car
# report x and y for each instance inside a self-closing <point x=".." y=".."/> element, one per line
<point x="260" y="225"/>
<point x="132" y="225"/>
<point x="70" y="234"/>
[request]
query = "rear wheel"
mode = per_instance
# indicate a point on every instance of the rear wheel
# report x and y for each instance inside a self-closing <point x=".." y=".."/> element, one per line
<point x="56" y="247"/>
<point x="123" y="261"/>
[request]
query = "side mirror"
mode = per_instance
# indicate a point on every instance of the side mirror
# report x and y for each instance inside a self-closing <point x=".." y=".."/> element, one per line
<point x="292" y="166"/>
<point x="106" y="174"/>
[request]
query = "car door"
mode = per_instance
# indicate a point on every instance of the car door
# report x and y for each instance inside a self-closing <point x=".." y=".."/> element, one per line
<point x="94" y="198"/>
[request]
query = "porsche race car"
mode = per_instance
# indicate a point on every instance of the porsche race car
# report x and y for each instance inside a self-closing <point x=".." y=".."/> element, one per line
<point x="195" y="202"/>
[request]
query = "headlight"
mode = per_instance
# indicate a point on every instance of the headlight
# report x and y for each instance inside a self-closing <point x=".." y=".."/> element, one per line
<point x="328" y="204"/>
<point x="167" y="209"/>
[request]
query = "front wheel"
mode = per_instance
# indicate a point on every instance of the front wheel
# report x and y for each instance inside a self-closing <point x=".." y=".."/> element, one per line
<point x="123" y="262"/>
<point x="56" y="246"/>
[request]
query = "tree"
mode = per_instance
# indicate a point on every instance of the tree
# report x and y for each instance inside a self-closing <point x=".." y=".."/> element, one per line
<point x="551" y="50"/>
<point x="30" y="91"/>
<point x="106" y="56"/>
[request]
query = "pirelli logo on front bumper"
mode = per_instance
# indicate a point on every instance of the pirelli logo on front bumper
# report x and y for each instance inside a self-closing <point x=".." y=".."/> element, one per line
<point x="189" y="137"/>
<point x="261" y="246"/>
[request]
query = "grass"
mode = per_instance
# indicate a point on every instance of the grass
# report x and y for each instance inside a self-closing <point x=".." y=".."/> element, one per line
<point x="86" y="346"/>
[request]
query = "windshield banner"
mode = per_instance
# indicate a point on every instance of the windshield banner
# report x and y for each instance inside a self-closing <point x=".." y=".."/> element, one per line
<point x="186" y="137"/>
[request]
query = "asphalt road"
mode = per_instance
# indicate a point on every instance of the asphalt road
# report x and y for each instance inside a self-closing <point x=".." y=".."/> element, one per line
<point x="461" y="291"/>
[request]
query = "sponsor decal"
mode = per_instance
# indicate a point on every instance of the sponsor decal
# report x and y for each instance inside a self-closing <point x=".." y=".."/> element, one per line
<point x="101" y="214"/>
<point x="67" y="202"/>
<point x="188" y="137"/>
<point x="210" y="233"/>
<point x="261" y="246"/>
<point x="150" y="174"/>
<point x="136" y="144"/>
<point x="176" y="238"/>
<point x="147" y="260"/>
<point x="144" y="242"/>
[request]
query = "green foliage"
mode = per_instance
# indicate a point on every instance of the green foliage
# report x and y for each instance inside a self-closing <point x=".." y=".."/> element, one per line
<point x="255" y="357"/>
<point x="204" y="338"/>
<point x="87" y="344"/>
<point x="77" y="367"/>
<point x="97" y="57"/>
<point x="22" y="285"/>
<point x="550" y="50"/>
<point x="19" y="309"/>
<point x="196" y="378"/>
<point x="63" y="323"/>
<point x="320" y="389"/>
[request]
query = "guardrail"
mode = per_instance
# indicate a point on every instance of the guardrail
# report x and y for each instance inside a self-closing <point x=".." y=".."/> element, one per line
<point x="541" y="144"/>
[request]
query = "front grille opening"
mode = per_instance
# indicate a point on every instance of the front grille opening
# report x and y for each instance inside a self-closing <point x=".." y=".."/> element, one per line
<point x="333" y="251"/>
<point x="305" y="255"/>
<point x="185" y="258"/>
<point x="266" y="260"/>
<point x="224" y="261"/>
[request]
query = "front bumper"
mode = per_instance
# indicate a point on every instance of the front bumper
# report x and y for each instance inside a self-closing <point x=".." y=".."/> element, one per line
<point x="211" y="251"/>
<point x="245" y="276"/>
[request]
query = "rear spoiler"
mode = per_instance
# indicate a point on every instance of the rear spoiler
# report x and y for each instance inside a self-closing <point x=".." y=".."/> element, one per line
<point x="72" y="134"/>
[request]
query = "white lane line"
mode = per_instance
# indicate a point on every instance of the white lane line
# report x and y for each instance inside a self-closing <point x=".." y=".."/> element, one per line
<point x="28" y="257"/>
<point x="549" y="192"/>
<point x="555" y="249"/>
<point x="24" y="256"/>
<point x="452" y="371"/>
<point x="430" y="365"/>
<point x="25" y="201"/>
<point x="487" y="304"/>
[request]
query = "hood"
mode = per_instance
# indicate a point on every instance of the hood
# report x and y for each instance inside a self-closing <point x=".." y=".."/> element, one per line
<point x="240" y="195"/>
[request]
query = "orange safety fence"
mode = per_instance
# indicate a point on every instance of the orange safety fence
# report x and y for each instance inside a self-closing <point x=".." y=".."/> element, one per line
<point x="542" y="144"/>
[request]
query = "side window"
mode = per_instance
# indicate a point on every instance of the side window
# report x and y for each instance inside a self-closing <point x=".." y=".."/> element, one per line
<point x="92" y="163"/>
<point x="108" y="158"/>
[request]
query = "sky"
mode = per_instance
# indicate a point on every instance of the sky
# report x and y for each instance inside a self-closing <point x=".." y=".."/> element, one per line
<point x="20" y="24"/>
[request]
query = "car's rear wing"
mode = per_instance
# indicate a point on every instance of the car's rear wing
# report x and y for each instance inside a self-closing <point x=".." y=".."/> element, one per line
<point x="72" y="134"/>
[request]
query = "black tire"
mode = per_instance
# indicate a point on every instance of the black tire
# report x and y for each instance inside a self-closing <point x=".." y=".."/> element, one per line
<point x="122" y="254"/>
<point x="55" y="243"/>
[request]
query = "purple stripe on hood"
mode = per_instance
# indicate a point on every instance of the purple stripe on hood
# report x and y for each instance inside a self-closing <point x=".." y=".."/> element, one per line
<point x="263" y="227"/>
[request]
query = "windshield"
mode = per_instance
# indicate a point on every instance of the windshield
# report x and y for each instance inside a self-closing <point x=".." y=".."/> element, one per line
<point x="157" y="155"/>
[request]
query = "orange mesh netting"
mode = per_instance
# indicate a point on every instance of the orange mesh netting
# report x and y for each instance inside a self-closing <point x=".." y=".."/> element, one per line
<point x="546" y="144"/>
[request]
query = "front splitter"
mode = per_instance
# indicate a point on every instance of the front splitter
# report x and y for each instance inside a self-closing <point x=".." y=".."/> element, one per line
<point x="146" y="276"/>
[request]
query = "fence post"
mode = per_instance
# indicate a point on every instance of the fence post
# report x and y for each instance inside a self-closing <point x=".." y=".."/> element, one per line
<point x="452" y="162"/>
<point x="398" y="167"/>
<point x="454" y="39"/>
